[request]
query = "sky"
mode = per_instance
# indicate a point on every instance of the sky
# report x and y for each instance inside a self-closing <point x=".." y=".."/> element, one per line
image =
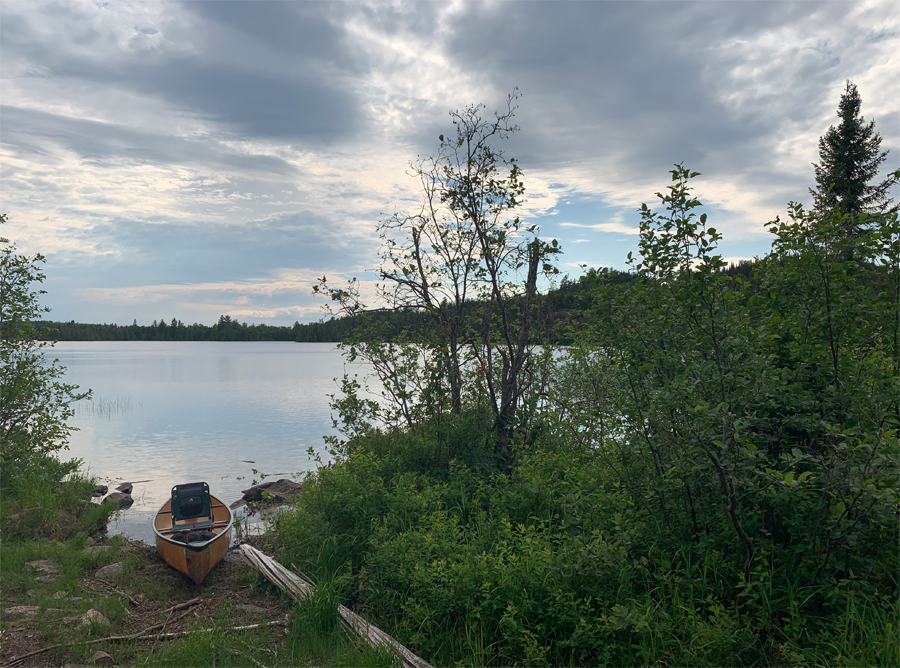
<point x="192" y="159"/>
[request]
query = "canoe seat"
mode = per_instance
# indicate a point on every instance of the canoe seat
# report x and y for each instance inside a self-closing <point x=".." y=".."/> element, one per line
<point x="191" y="506"/>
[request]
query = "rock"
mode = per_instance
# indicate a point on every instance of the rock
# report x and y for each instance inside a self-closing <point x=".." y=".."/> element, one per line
<point x="99" y="529"/>
<point x="20" y="612"/>
<point x="101" y="658"/>
<point x="46" y="567"/>
<point x="120" y="499"/>
<point x="100" y="490"/>
<point x="97" y="549"/>
<point x="277" y="491"/>
<point x="110" y="571"/>
<point x="125" y="487"/>
<point x="251" y="609"/>
<point x="60" y="595"/>
<point x="92" y="617"/>
<point x="30" y="594"/>
<point x="89" y="541"/>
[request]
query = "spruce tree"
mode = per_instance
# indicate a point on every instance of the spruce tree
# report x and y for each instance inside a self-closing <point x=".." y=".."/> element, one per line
<point x="849" y="157"/>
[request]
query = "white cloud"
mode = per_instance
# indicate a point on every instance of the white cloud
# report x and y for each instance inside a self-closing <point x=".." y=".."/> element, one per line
<point x="611" y="226"/>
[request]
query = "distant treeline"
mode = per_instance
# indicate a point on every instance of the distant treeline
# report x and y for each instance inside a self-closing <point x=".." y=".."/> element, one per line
<point x="226" y="329"/>
<point x="564" y="308"/>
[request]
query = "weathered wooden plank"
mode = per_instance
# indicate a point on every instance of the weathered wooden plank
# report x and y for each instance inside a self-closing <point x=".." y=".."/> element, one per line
<point x="292" y="583"/>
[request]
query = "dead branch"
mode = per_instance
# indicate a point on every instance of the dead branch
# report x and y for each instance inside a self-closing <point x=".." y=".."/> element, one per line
<point x="184" y="604"/>
<point x="140" y="635"/>
<point x="290" y="582"/>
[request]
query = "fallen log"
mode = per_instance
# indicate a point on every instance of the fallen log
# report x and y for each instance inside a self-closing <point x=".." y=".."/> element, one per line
<point x="292" y="583"/>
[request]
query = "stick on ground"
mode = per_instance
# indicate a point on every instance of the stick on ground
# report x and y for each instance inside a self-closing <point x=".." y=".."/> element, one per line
<point x="140" y="635"/>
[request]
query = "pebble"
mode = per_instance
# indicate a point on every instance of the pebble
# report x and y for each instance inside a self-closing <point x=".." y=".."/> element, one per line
<point x="92" y="617"/>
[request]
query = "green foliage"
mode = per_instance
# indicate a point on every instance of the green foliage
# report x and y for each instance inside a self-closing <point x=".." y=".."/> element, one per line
<point x="711" y="479"/>
<point x="34" y="401"/>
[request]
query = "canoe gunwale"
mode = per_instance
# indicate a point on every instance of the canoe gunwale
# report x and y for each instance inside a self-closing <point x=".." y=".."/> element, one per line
<point x="195" y="547"/>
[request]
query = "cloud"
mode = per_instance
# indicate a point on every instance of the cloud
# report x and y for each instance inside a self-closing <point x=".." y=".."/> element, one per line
<point x="605" y="227"/>
<point x="213" y="143"/>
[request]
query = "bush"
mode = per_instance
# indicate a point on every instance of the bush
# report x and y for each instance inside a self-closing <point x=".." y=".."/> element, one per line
<point x="34" y="401"/>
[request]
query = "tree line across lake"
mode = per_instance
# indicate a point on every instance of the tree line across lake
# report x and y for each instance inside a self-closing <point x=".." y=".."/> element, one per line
<point x="563" y="307"/>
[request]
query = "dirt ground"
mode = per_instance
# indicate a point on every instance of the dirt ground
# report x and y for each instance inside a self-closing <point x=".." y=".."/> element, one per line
<point x="147" y="594"/>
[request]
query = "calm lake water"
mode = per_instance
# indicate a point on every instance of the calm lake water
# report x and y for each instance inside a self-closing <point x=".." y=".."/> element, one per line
<point x="165" y="413"/>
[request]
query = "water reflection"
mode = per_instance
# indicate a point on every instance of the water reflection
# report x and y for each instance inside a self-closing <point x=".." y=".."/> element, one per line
<point x="175" y="412"/>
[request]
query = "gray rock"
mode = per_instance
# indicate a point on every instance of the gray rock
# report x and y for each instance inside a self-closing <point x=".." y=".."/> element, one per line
<point x="21" y="612"/>
<point x="120" y="499"/>
<point x="125" y="487"/>
<point x="110" y="571"/>
<point x="92" y="617"/>
<point x="101" y="658"/>
<point x="277" y="491"/>
<point x="58" y="596"/>
<point x="100" y="490"/>
<point x="94" y="550"/>
<point x="46" y="567"/>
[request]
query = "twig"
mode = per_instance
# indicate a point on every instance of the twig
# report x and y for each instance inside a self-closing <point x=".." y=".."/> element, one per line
<point x="178" y="606"/>
<point x="137" y="636"/>
<point x="184" y="604"/>
<point x="179" y="634"/>
<point x="111" y="586"/>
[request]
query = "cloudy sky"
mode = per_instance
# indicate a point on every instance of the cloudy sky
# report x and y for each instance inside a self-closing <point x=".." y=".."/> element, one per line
<point x="201" y="158"/>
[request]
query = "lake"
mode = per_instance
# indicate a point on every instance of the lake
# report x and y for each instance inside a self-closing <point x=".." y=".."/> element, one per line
<point x="165" y="413"/>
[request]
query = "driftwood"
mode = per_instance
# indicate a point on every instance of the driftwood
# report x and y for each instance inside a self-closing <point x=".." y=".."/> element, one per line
<point x="290" y="582"/>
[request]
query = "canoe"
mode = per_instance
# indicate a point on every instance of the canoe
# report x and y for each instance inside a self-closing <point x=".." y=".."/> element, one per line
<point x="196" y="558"/>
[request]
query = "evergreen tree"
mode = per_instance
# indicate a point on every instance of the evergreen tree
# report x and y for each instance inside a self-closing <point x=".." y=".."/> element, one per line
<point x="849" y="157"/>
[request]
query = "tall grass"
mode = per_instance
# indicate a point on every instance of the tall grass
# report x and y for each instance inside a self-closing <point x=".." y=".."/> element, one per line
<point x="104" y="408"/>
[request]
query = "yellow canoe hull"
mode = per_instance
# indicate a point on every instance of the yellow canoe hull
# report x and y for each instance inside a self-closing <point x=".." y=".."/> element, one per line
<point x="195" y="560"/>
